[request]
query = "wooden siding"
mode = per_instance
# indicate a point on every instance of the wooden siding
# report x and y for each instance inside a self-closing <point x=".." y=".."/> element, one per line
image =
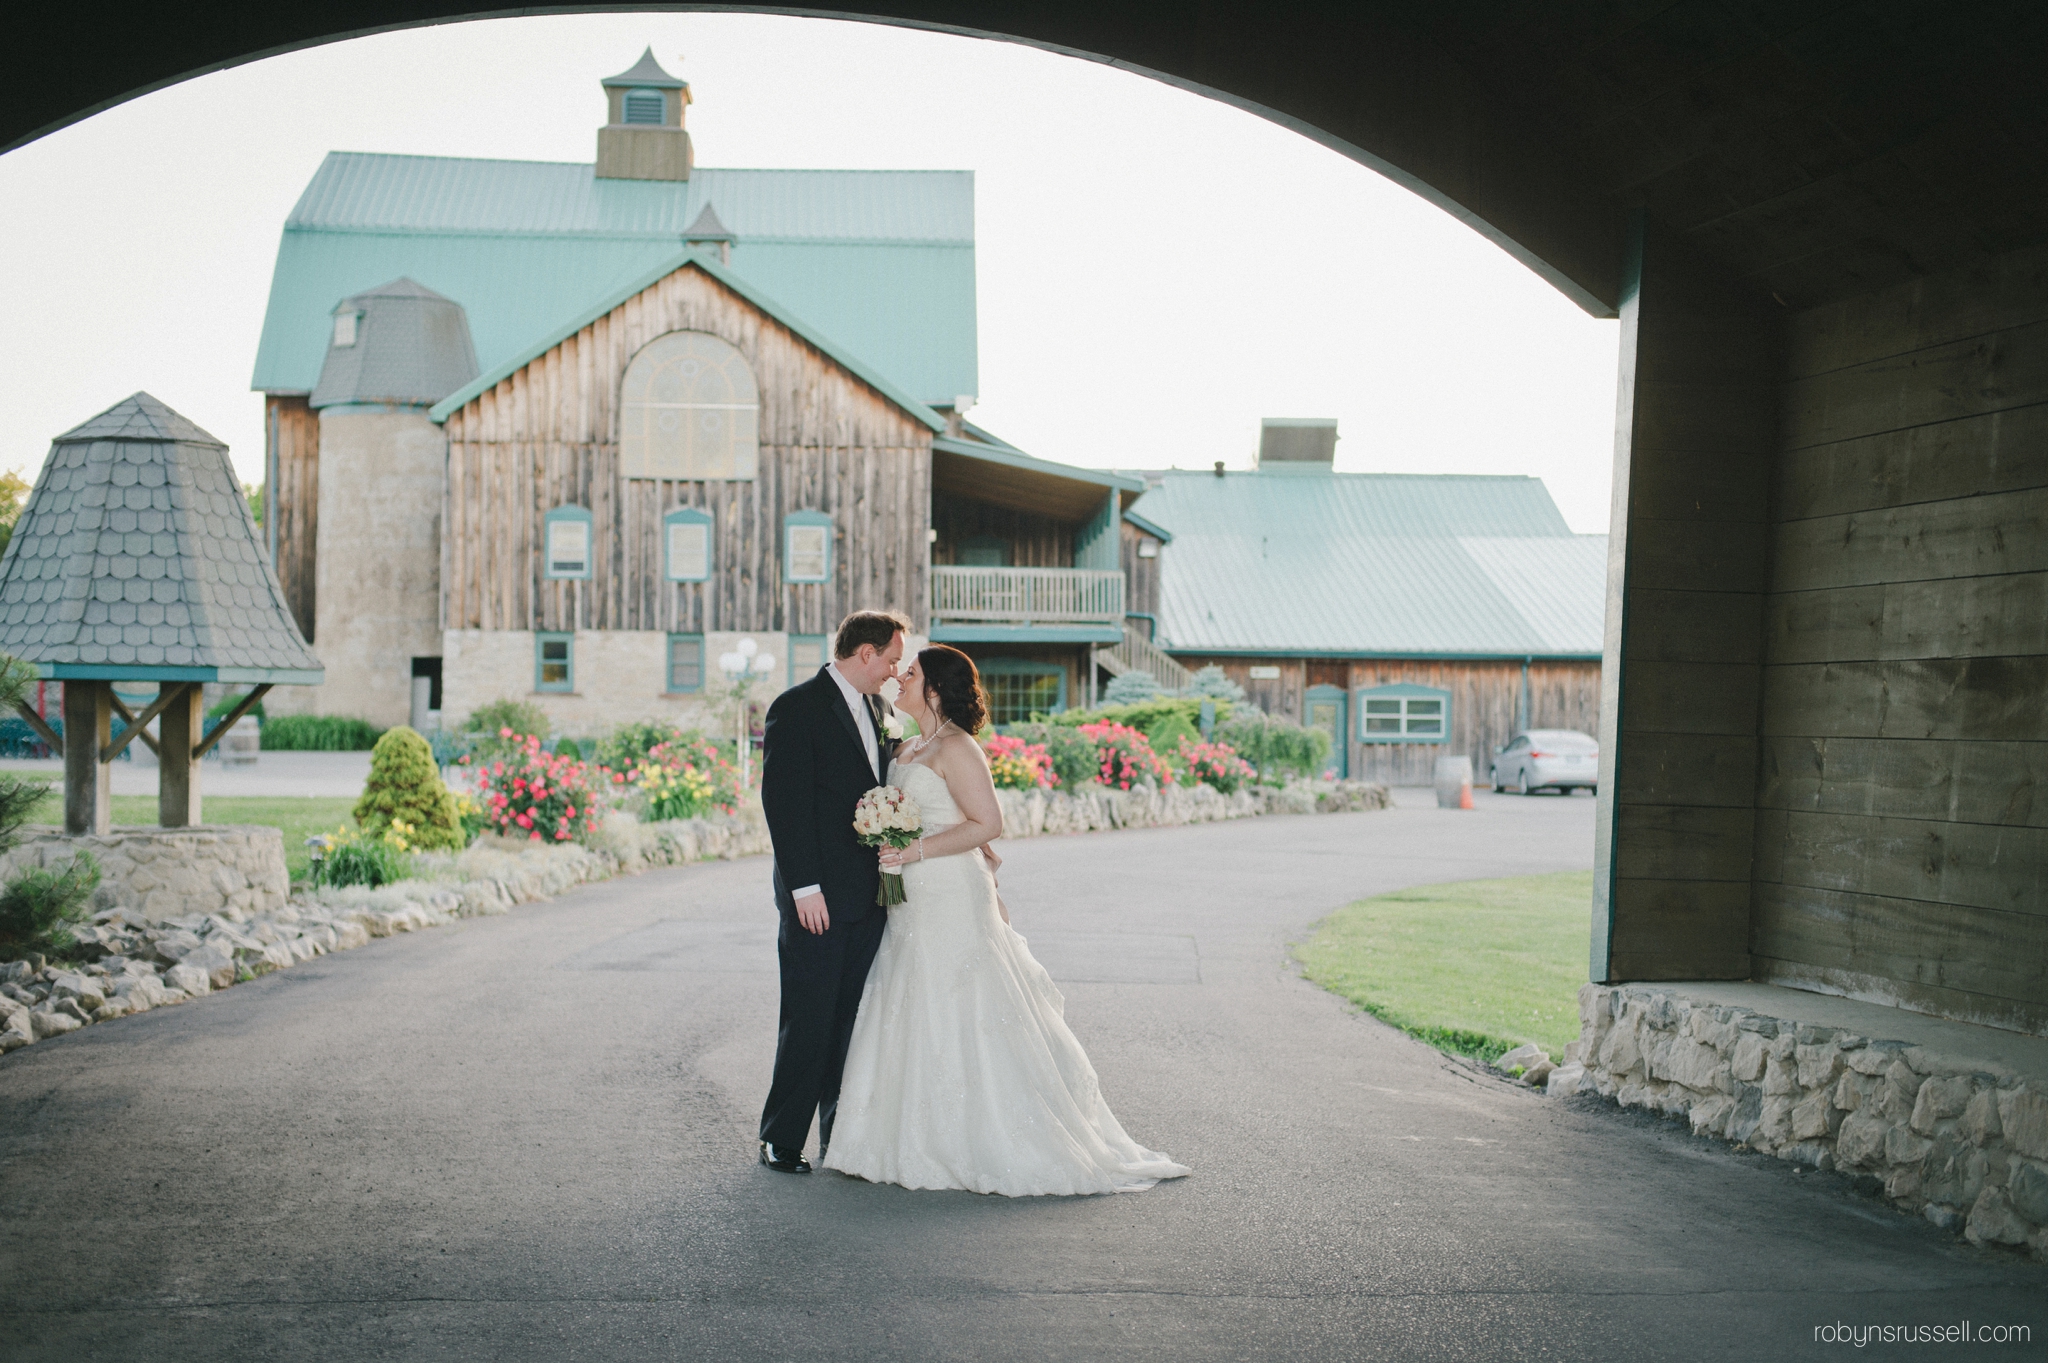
<point x="1902" y="852"/>
<point x="1485" y="699"/>
<point x="1035" y="541"/>
<point x="548" y="436"/>
<point x="293" y="431"/>
<point x="1689" y="561"/>
<point x="1141" y="575"/>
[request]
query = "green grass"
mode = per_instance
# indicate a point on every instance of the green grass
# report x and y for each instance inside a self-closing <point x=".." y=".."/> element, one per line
<point x="296" y="816"/>
<point x="1475" y="968"/>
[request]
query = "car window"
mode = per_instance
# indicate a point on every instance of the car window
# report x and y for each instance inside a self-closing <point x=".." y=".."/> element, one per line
<point x="1565" y="740"/>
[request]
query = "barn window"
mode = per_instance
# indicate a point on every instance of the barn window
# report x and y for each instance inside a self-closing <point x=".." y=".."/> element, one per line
<point x="806" y="547"/>
<point x="686" y="662"/>
<point x="1404" y="713"/>
<point x="1018" y="688"/>
<point x="806" y="656"/>
<point x="689" y="409"/>
<point x="567" y="542"/>
<point x="554" y="662"/>
<point x="686" y="537"/>
<point x="645" y="106"/>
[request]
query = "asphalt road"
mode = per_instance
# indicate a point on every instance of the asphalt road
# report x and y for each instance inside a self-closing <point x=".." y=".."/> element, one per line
<point x="528" y="1137"/>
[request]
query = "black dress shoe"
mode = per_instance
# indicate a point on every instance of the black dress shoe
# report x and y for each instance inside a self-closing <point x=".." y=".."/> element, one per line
<point x="783" y="1160"/>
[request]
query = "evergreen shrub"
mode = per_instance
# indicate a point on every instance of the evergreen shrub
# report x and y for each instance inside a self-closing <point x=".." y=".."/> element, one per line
<point x="38" y="909"/>
<point x="405" y="788"/>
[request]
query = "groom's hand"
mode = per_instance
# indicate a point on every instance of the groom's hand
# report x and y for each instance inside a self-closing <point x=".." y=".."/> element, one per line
<point x="810" y="911"/>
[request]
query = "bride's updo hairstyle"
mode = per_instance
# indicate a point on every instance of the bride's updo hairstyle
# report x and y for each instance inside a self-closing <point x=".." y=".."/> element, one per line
<point x="953" y="687"/>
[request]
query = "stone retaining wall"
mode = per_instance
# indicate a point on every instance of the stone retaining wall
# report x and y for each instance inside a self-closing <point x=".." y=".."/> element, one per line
<point x="232" y="869"/>
<point x="1031" y="813"/>
<point x="1964" y="1142"/>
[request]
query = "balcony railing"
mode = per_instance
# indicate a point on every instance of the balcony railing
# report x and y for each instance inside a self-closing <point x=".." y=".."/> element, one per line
<point x="1028" y="596"/>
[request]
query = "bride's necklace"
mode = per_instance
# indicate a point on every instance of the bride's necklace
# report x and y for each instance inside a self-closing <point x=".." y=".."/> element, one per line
<point x="922" y="741"/>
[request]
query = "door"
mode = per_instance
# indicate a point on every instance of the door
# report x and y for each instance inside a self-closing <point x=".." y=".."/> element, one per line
<point x="1329" y="709"/>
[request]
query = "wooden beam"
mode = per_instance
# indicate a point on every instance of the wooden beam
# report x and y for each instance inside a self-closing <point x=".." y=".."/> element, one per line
<point x="43" y="731"/>
<point x="127" y="718"/>
<point x="88" y="789"/>
<point x="177" y="779"/>
<point x="138" y="724"/>
<point x="228" y="721"/>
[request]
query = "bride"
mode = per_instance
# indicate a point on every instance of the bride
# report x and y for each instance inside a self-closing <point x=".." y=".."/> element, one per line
<point x="961" y="1072"/>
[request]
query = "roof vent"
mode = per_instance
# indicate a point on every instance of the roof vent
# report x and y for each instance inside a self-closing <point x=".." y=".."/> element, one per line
<point x="709" y="233"/>
<point x="643" y="137"/>
<point x="1298" y="443"/>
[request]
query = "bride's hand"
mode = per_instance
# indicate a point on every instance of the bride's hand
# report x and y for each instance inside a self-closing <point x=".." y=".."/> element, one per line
<point x="891" y="859"/>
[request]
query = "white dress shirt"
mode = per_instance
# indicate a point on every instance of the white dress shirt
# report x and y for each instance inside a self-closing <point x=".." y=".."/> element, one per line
<point x="864" y="721"/>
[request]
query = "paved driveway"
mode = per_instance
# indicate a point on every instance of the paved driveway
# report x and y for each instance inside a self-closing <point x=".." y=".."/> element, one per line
<point x="529" y="1138"/>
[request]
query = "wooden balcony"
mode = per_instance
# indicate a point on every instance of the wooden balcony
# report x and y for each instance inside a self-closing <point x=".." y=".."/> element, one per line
<point x="1027" y="596"/>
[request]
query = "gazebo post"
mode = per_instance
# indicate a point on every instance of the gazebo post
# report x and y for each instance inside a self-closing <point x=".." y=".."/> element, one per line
<point x="183" y="722"/>
<point x="88" y="784"/>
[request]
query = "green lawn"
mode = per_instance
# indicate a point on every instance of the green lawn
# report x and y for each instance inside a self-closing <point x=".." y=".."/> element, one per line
<point x="297" y="816"/>
<point x="1476" y="967"/>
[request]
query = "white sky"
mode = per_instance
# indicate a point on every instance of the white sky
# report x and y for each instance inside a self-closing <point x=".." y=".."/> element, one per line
<point x="1157" y="271"/>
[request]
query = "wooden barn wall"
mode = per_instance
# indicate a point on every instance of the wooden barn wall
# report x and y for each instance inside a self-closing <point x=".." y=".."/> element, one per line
<point x="1141" y="575"/>
<point x="1035" y="541"/>
<point x="548" y="436"/>
<point x="1902" y="842"/>
<point x="1484" y="697"/>
<point x="293" y="430"/>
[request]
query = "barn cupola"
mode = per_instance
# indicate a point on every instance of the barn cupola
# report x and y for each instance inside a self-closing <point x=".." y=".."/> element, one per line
<point x="710" y="236"/>
<point x="643" y="136"/>
<point x="1293" y="444"/>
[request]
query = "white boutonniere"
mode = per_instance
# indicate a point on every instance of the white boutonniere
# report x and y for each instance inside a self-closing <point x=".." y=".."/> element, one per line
<point x="892" y="725"/>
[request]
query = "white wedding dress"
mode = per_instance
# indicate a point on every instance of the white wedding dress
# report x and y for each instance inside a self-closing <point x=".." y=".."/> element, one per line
<point x="961" y="1072"/>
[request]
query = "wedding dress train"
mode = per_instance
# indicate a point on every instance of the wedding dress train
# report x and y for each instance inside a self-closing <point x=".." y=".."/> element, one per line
<point x="962" y="1072"/>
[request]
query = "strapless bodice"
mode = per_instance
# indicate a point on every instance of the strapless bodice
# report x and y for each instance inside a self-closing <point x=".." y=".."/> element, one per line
<point x="935" y="804"/>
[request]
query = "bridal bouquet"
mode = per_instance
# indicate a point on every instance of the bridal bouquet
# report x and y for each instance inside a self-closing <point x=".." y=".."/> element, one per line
<point x="886" y="817"/>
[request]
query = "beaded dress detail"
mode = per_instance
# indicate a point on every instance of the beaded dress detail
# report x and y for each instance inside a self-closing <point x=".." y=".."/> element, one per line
<point x="962" y="1072"/>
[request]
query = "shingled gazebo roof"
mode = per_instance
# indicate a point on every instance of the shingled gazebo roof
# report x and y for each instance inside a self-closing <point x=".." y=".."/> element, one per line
<point x="136" y="559"/>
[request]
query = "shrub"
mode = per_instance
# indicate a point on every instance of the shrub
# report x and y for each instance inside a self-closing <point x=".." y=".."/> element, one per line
<point x="1069" y="752"/>
<point x="627" y="746"/>
<point x="38" y="909"/>
<point x="469" y="812"/>
<point x="1018" y="765"/>
<point x="536" y="795"/>
<point x="345" y="857"/>
<point x="488" y="724"/>
<point x="405" y="788"/>
<point x="1277" y="748"/>
<point x="1214" y="764"/>
<point x="1124" y="758"/>
<point x="569" y="747"/>
<point x="319" y="733"/>
<point x="1131" y="687"/>
<point x="1210" y="683"/>
<point x="683" y="780"/>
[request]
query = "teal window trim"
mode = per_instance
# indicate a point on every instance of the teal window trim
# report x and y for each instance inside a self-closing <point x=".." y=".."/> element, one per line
<point x="798" y="566"/>
<point x="997" y="667"/>
<point x="671" y="686"/>
<point x="567" y="516"/>
<point x="542" y="659"/>
<point x="801" y="672"/>
<point x="688" y="572"/>
<point x="1403" y="713"/>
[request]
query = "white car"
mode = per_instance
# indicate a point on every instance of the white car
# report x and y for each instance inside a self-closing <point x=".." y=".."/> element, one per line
<point x="1558" y="759"/>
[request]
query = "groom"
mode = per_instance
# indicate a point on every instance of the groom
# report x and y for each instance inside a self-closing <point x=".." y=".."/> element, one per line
<point x="823" y="748"/>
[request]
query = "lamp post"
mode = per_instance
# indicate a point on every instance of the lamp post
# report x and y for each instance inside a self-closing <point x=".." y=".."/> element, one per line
<point x="741" y="667"/>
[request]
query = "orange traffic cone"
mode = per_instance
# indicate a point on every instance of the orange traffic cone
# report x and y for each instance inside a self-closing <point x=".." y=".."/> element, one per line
<point x="1465" y="795"/>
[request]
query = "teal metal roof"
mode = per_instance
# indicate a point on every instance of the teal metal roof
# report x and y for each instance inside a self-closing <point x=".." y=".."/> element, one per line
<point x="881" y="260"/>
<point x="1009" y="456"/>
<point x="1373" y="564"/>
<point x="702" y="260"/>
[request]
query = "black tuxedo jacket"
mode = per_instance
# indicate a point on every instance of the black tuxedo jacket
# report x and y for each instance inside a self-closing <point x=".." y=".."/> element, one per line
<point x="814" y="769"/>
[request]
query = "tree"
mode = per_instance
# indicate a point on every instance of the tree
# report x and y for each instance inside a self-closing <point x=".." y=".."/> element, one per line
<point x="1131" y="688"/>
<point x="405" y="787"/>
<point x="14" y="491"/>
<point x="1209" y="683"/>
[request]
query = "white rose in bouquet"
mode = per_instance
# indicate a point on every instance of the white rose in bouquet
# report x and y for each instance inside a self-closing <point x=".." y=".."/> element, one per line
<point x="887" y="817"/>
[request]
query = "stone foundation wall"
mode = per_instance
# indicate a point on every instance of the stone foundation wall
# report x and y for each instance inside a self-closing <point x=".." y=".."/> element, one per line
<point x="1964" y="1142"/>
<point x="235" y="870"/>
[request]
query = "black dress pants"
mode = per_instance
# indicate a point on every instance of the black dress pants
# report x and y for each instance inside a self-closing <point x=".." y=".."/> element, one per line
<point x="822" y="977"/>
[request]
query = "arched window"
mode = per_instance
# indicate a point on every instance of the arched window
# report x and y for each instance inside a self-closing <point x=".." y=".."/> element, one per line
<point x="645" y="106"/>
<point x="688" y="408"/>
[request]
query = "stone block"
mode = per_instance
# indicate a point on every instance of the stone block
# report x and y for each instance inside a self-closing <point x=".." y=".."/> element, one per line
<point x="2026" y="1183"/>
<point x="1685" y="1061"/>
<point x="1861" y="1140"/>
<point x="1815" y="1117"/>
<point x="1619" y="1053"/>
<point x="2023" y="1116"/>
<point x="1901" y="1146"/>
<point x="1773" y="1125"/>
<point x="216" y="960"/>
<point x="1709" y="1116"/>
<point x="1993" y="1220"/>
<point x="1902" y="1183"/>
<point x="1875" y="1058"/>
<point x="1939" y="1097"/>
<point x="1780" y="1078"/>
<point x="1742" y="1122"/>
<point x="1747" y="1064"/>
<point x="1901" y="1090"/>
<point x="1818" y="1064"/>
<point x="189" y="978"/>
<point x="50" y="1022"/>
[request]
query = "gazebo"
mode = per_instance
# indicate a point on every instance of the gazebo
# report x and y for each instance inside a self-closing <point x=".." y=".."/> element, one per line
<point x="136" y="561"/>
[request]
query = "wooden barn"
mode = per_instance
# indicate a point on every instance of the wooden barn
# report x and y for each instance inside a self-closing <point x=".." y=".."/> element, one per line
<point x="1411" y="616"/>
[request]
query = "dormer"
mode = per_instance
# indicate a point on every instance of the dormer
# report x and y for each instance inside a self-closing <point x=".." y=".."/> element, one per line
<point x="644" y="138"/>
